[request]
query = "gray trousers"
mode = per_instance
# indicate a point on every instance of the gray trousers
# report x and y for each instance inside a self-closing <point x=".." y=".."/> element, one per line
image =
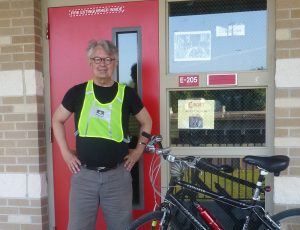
<point x="111" y="190"/>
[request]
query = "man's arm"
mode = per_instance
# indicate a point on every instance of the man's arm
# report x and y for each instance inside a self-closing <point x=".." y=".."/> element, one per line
<point x="59" y="118"/>
<point x="145" y="121"/>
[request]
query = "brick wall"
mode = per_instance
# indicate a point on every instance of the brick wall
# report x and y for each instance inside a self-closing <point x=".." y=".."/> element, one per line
<point x="287" y="100"/>
<point x="23" y="187"/>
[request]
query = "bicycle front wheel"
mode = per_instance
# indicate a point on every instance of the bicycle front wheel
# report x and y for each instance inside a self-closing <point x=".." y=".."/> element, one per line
<point x="152" y="221"/>
<point x="289" y="219"/>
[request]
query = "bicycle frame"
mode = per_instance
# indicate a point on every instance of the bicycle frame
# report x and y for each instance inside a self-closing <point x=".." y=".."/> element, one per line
<point x="255" y="210"/>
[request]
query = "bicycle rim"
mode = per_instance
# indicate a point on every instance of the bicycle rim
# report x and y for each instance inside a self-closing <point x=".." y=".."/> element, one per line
<point x="152" y="221"/>
<point x="288" y="220"/>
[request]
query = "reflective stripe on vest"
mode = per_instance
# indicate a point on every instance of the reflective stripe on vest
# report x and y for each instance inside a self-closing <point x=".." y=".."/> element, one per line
<point x="101" y="120"/>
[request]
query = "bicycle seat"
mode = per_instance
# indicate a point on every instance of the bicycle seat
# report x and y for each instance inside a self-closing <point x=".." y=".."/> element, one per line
<point x="273" y="164"/>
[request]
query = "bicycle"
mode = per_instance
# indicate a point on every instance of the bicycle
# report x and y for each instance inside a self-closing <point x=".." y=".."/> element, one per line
<point x="167" y="214"/>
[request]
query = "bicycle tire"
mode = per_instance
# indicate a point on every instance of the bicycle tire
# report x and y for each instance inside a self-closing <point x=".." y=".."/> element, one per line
<point x="145" y="221"/>
<point x="289" y="219"/>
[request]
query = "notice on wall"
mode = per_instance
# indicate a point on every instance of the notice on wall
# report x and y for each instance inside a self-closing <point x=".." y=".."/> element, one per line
<point x="192" y="46"/>
<point x="196" y="114"/>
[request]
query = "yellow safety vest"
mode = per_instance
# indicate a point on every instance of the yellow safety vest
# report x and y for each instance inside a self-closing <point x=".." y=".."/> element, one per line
<point x="101" y="120"/>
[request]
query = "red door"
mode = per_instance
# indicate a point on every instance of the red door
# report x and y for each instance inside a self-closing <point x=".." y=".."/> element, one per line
<point x="70" y="30"/>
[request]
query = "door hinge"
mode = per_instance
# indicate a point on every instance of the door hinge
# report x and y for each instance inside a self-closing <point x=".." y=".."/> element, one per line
<point x="47" y="32"/>
<point x="50" y="134"/>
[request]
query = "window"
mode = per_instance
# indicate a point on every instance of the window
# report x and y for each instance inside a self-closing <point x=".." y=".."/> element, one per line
<point x="216" y="118"/>
<point x="129" y="46"/>
<point x="225" y="35"/>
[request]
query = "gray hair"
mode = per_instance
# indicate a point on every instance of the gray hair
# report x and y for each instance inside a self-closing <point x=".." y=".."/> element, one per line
<point x="107" y="45"/>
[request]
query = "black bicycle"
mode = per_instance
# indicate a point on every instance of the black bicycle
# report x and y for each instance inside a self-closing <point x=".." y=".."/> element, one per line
<point x="178" y="213"/>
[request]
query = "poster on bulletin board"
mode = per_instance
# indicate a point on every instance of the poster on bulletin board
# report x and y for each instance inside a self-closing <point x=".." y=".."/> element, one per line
<point x="196" y="114"/>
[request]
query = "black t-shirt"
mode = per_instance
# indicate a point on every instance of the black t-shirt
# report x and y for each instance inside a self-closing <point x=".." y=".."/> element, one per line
<point x="98" y="152"/>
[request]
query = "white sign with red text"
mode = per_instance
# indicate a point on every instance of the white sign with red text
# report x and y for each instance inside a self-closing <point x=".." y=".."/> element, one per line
<point x="196" y="114"/>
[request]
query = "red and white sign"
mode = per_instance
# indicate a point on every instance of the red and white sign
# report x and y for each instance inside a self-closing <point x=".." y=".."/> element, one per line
<point x="188" y="81"/>
<point x="222" y="79"/>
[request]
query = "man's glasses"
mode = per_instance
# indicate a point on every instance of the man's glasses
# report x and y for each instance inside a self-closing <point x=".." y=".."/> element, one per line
<point x="106" y="61"/>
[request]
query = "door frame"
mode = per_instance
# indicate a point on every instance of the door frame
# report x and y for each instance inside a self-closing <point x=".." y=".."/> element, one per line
<point x="47" y="95"/>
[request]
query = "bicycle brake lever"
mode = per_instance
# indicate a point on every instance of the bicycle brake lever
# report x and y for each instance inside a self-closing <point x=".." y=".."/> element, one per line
<point x="150" y="148"/>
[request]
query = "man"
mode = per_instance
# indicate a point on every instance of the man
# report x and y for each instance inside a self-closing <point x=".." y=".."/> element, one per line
<point x="101" y="163"/>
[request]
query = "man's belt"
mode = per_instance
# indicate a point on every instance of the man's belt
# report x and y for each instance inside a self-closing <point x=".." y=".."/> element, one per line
<point x="99" y="169"/>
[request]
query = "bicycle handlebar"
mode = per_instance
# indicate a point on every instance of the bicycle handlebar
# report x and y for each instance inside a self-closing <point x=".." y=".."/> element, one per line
<point x="193" y="161"/>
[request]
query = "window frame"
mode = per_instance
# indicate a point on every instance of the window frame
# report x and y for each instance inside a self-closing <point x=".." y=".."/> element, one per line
<point x="246" y="79"/>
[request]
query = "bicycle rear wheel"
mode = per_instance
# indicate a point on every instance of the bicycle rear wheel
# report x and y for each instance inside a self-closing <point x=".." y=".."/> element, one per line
<point x="288" y="220"/>
<point x="151" y="221"/>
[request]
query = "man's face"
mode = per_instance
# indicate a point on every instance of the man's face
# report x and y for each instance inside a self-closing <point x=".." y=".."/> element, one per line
<point x="102" y="64"/>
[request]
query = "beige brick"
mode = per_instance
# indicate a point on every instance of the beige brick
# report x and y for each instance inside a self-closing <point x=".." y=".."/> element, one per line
<point x="30" y="211"/>
<point x="295" y="162"/>
<point x="7" y="126"/>
<point x="29" y="48"/>
<point x="33" y="151"/>
<point x="34" y="99"/>
<point x="34" y="134"/>
<point x="23" y="22"/>
<point x="8" y="160"/>
<point x="14" y="117"/>
<point x="11" y="31"/>
<point x="279" y="112"/>
<point x="283" y="34"/>
<point x="281" y="93"/>
<point x="295" y="132"/>
<point x="295" y="53"/>
<point x="4" y="14"/>
<point x="295" y="152"/>
<point x="4" y="5"/>
<point x="37" y="168"/>
<point x="3" y="202"/>
<point x="4" y="22"/>
<point x="281" y="132"/>
<point x="291" y="122"/>
<point x="16" y="151"/>
<point x="3" y="218"/>
<point x="24" y="57"/>
<point x="295" y="112"/>
<point x="8" y="210"/>
<point x="26" y="126"/>
<point x="295" y="13"/>
<point x="287" y="4"/>
<point x="283" y="14"/>
<point x="282" y="54"/>
<point x="295" y="33"/>
<point x="294" y="171"/>
<point x="18" y="202"/>
<point x="5" y="57"/>
<point x="7" y="143"/>
<point x="295" y="92"/>
<point x="28" y="160"/>
<point x="12" y="49"/>
<point x="16" y="168"/>
<point x="36" y="219"/>
<point x="23" y="39"/>
<point x="289" y="43"/>
<point x="35" y="117"/>
<point x="2" y="169"/>
<point x="9" y="226"/>
<point x="11" y="66"/>
<point x="26" y="143"/>
<point x="13" y="100"/>
<point x="22" y="4"/>
<point x="15" y="135"/>
<point x="31" y="227"/>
